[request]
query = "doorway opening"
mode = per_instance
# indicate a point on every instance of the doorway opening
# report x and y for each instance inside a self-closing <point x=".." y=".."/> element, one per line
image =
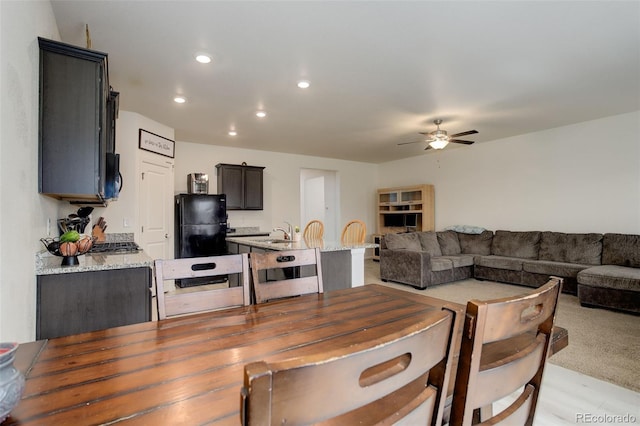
<point x="320" y="195"/>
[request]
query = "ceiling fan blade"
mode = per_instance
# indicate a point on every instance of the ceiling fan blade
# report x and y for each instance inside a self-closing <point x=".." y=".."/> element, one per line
<point x="468" y="132"/>
<point x="461" y="141"/>
<point x="408" y="143"/>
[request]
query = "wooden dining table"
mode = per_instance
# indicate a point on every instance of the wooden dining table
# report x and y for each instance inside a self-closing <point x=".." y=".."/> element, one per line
<point x="189" y="370"/>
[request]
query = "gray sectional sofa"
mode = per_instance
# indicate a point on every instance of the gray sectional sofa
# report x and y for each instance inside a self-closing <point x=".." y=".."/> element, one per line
<point x="602" y="269"/>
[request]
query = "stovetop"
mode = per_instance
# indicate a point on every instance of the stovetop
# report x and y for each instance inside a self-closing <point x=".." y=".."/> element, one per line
<point x="117" y="247"/>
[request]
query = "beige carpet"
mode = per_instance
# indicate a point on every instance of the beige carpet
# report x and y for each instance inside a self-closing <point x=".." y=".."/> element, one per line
<point x="602" y="344"/>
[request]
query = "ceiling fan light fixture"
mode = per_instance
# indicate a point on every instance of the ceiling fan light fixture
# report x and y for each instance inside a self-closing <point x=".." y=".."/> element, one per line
<point x="438" y="143"/>
<point x="203" y="58"/>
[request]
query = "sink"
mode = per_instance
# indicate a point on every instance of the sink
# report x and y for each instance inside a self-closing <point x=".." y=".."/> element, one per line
<point x="273" y="241"/>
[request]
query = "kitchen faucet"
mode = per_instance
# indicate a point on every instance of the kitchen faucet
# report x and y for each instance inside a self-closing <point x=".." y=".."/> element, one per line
<point x="287" y="234"/>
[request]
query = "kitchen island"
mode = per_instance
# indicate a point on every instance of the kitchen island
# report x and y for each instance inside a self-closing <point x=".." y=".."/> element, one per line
<point x="103" y="291"/>
<point x="342" y="265"/>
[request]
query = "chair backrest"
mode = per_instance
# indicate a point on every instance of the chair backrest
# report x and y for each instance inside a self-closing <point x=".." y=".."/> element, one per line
<point x="295" y="272"/>
<point x="313" y="231"/>
<point x="354" y="232"/>
<point x="380" y="380"/>
<point x="504" y="349"/>
<point x="200" y="298"/>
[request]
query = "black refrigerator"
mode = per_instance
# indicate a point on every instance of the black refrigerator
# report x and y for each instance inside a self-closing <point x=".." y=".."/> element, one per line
<point x="201" y="229"/>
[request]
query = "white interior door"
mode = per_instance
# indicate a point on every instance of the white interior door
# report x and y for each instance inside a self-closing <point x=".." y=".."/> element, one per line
<point x="156" y="208"/>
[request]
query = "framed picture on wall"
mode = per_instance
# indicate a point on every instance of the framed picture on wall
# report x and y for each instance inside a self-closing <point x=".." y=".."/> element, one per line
<point x="156" y="143"/>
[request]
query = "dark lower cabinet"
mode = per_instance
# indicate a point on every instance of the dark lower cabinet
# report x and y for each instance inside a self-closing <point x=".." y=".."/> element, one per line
<point x="88" y="301"/>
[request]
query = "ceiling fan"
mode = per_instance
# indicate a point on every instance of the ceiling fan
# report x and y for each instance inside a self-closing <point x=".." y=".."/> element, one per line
<point x="438" y="139"/>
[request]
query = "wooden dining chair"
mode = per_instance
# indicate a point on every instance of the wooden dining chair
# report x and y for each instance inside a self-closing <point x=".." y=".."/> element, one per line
<point x="314" y="230"/>
<point x="354" y="232"/>
<point x="505" y="344"/>
<point x="398" y="377"/>
<point x="201" y="298"/>
<point x="295" y="272"/>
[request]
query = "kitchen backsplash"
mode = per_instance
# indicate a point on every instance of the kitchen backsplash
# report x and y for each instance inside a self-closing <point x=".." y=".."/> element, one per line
<point x="119" y="237"/>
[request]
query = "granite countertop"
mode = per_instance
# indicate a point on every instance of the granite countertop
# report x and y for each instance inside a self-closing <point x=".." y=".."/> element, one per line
<point x="48" y="264"/>
<point x="276" y="243"/>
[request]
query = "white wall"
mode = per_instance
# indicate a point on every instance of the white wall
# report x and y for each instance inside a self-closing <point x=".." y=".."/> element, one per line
<point x="357" y="183"/>
<point x="126" y="206"/>
<point x="579" y="178"/>
<point x="23" y="212"/>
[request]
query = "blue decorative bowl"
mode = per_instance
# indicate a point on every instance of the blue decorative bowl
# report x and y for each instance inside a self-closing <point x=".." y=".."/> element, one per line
<point x="11" y="380"/>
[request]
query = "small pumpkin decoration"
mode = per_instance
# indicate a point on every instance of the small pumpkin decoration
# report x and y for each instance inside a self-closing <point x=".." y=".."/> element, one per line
<point x="84" y="244"/>
<point x="68" y="249"/>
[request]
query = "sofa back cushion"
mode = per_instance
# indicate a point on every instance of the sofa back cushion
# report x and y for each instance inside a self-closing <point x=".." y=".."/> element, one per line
<point x="524" y="245"/>
<point x="571" y="248"/>
<point x="621" y="250"/>
<point x="449" y="244"/>
<point x="476" y="243"/>
<point x="429" y="242"/>
<point x="408" y="241"/>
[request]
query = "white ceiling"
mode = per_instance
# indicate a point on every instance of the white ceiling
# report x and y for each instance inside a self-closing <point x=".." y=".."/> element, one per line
<point x="380" y="71"/>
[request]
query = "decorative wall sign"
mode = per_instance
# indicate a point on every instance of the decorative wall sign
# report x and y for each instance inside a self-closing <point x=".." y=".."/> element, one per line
<point x="156" y="143"/>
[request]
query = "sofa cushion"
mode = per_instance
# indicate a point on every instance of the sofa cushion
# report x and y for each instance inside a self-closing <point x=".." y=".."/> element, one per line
<point x="611" y="276"/>
<point x="476" y="243"/>
<point x="621" y="250"/>
<point x="407" y="241"/>
<point x="571" y="248"/>
<point x="449" y="243"/>
<point x="460" y="260"/>
<point x="524" y="245"/>
<point x="441" y="264"/>
<point x="429" y="243"/>
<point x="560" y="269"/>
<point x="499" y="262"/>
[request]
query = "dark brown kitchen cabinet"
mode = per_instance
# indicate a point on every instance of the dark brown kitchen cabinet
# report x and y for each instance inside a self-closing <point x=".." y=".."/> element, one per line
<point x="76" y="123"/>
<point x="86" y="301"/>
<point x="242" y="185"/>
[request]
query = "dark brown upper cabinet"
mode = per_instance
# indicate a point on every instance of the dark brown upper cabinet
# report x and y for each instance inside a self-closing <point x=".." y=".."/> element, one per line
<point x="76" y="123"/>
<point x="242" y="185"/>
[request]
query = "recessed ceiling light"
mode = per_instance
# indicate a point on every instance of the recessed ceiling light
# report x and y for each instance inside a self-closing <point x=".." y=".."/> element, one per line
<point x="179" y="99"/>
<point x="233" y="133"/>
<point x="203" y="58"/>
<point x="303" y="84"/>
<point x="261" y="114"/>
